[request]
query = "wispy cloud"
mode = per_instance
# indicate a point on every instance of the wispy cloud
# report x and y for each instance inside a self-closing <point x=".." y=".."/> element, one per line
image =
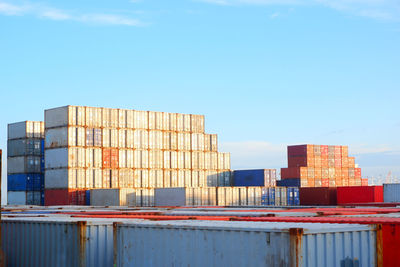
<point x="388" y="10"/>
<point x="274" y="15"/>
<point x="46" y="12"/>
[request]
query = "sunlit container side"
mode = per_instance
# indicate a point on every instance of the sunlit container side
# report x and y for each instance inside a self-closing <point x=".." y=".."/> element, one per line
<point x="188" y="178"/>
<point x="187" y="142"/>
<point x="57" y="242"/>
<point x="114" y="178"/>
<point x="221" y="196"/>
<point x="114" y="118"/>
<point x="220" y="161"/>
<point x="242" y="191"/>
<point x="155" y="139"/>
<point x="197" y="123"/>
<point x="195" y="178"/>
<point x="214" y="142"/>
<point x="24" y="147"/>
<point x="122" y="119"/>
<point x="126" y="178"/>
<point x="195" y="160"/>
<point x="152" y="120"/>
<point x="174" y="178"/>
<point x="186" y="122"/>
<point x="122" y="138"/>
<point x="152" y="178"/>
<point x="228" y="196"/>
<point x="156" y="159"/>
<point x="130" y="119"/>
<point x="166" y="141"/>
<point x="145" y="178"/>
<point x="180" y="178"/>
<point x="179" y="122"/>
<point x="140" y="139"/>
<point x="165" y="121"/>
<point x="147" y="197"/>
<point x="391" y="193"/>
<point x="26" y="164"/>
<point x="173" y="123"/>
<point x="359" y="194"/>
<point x="167" y="178"/>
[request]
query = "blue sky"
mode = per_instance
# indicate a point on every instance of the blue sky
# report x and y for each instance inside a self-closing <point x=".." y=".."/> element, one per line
<point x="266" y="73"/>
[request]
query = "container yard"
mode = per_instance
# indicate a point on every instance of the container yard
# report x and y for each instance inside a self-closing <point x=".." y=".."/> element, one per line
<point x="95" y="186"/>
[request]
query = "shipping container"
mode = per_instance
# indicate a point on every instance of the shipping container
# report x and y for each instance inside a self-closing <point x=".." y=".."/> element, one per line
<point x="219" y="243"/>
<point x="257" y="177"/>
<point x="112" y="197"/>
<point x="359" y="194"/>
<point x="173" y="196"/>
<point x="57" y="242"/>
<point x="293" y="197"/>
<point x="25" y="129"/>
<point x="24" y="164"/>
<point x="24" y="147"/>
<point x="25" y="182"/>
<point x="295" y="182"/>
<point x="316" y="196"/>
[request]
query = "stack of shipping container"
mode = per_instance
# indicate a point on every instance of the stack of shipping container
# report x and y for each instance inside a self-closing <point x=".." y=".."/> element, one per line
<point x="25" y="163"/>
<point x="320" y="166"/>
<point x="89" y="148"/>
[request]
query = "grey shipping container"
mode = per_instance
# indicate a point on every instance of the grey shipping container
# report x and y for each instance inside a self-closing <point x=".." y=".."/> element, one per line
<point x="170" y="196"/>
<point x="112" y="197"/>
<point x="205" y="243"/>
<point x="24" y="164"/>
<point x="25" y="129"/>
<point x="24" y="147"/>
<point x="57" y="242"/>
<point x="391" y="192"/>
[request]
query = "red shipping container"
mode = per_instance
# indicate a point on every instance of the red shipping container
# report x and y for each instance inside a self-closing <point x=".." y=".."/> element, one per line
<point x="324" y="150"/>
<point x="325" y="196"/>
<point x="338" y="151"/>
<point x="359" y="194"/>
<point x="55" y="197"/>
<point x="114" y="158"/>
<point x="81" y="197"/>
<point x="300" y="150"/>
<point x="294" y="172"/>
<point x="357" y="172"/>
<point x="324" y="162"/>
<point x="325" y="182"/>
<point x="106" y="157"/>
<point x="364" y="182"/>
<point x="301" y="161"/>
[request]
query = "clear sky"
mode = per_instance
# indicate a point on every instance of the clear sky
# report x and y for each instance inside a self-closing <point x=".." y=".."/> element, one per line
<point x="266" y="73"/>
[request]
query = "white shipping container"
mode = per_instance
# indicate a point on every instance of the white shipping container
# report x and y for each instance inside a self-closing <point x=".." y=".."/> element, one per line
<point x="227" y="161"/>
<point x="130" y="158"/>
<point x="152" y="120"/>
<point x="181" y="141"/>
<point x="97" y="158"/>
<point x="137" y="178"/>
<point x="187" y="122"/>
<point x="167" y="159"/>
<point x="16" y="198"/>
<point x="80" y="178"/>
<point x="181" y="159"/>
<point x="137" y="159"/>
<point x="220" y="161"/>
<point x="188" y="141"/>
<point x="129" y="139"/>
<point x="114" y="140"/>
<point x="144" y="159"/>
<point x="89" y="177"/>
<point x="174" y="178"/>
<point x="159" y="121"/>
<point x="122" y="158"/>
<point x="243" y="196"/>
<point x="60" y="137"/>
<point x="152" y="178"/>
<point x="97" y="178"/>
<point x="159" y="178"/>
<point x="122" y="118"/>
<point x="122" y="138"/>
<point x="106" y="116"/>
<point x="113" y="197"/>
<point x="213" y="160"/>
<point x="174" y="160"/>
<point x="188" y="178"/>
<point x="130" y="115"/>
<point x="155" y="139"/>
<point x="141" y="120"/>
<point x="202" y="178"/>
<point x="145" y="178"/>
<point x="165" y="121"/>
<point x="195" y="160"/>
<point x="37" y="129"/>
<point x="188" y="159"/>
<point x="89" y="158"/>
<point x="174" y="141"/>
<point x="106" y="137"/>
<point x="114" y="118"/>
<point x="173" y="125"/>
<point x="179" y="122"/>
<point x="181" y="178"/>
<point x="167" y="178"/>
<point x="195" y="178"/>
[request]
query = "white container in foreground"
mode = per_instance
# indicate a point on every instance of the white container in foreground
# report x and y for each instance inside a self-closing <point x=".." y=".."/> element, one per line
<point x="113" y="197"/>
<point x="215" y="243"/>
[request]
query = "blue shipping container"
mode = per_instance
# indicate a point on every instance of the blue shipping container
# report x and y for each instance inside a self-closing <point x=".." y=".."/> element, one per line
<point x="42" y="198"/>
<point x="268" y="196"/>
<point x="38" y="182"/>
<point x="295" y="182"/>
<point x="293" y="198"/>
<point x="87" y="197"/>
<point x="42" y="146"/>
<point x="20" y="182"/>
<point x="42" y="164"/>
<point x="248" y="177"/>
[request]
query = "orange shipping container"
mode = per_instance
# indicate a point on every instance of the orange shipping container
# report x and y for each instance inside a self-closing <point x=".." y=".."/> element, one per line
<point x="310" y="182"/>
<point x="325" y="182"/>
<point x="310" y="173"/>
<point x="338" y="182"/>
<point x="332" y="183"/>
<point x="351" y="162"/>
<point x="345" y="162"/>
<point x="317" y="151"/>
<point x="318" y="183"/>
<point x="317" y="173"/>
<point x="338" y="173"/>
<point x="338" y="162"/>
<point x="345" y="173"/>
<point x="345" y="182"/>
<point x="345" y="151"/>
<point x="324" y="162"/>
<point x="325" y="173"/>
<point x="364" y="182"/>
<point x="331" y="162"/>
<point x="317" y="162"/>
<point x="338" y="151"/>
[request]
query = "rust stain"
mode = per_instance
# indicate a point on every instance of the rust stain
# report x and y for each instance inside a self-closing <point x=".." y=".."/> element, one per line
<point x="379" y="246"/>
<point x="82" y="242"/>
<point x="296" y="235"/>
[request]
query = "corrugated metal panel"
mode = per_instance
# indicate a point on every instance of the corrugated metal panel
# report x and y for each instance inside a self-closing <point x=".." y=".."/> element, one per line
<point x="391" y="192"/>
<point x="202" y="243"/>
<point x="46" y="243"/>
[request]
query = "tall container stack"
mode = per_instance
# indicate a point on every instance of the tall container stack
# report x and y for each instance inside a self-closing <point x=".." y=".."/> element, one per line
<point x="90" y="148"/>
<point x="25" y="160"/>
<point x="320" y="166"/>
